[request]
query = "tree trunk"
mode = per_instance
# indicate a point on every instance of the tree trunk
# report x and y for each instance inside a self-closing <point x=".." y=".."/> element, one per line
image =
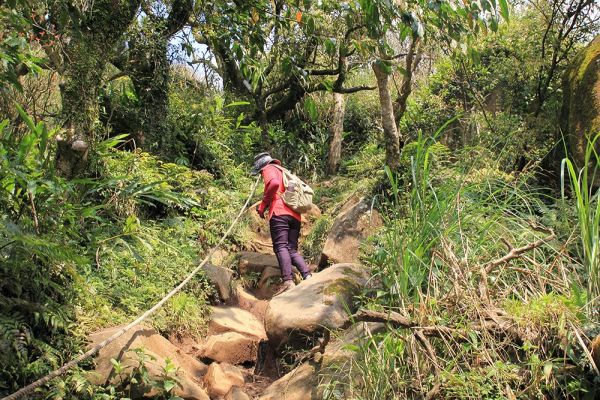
<point x="390" y="131"/>
<point x="91" y="42"/>
<point x="150" y="77"/>
<point x="79" y="92"/>
<point x="336" y="130"/>
<point x="413" y="58"/>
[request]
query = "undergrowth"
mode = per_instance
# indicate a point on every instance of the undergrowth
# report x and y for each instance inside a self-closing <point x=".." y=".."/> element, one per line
<point x="82" y="254"/>
<point x="485" y="329"/>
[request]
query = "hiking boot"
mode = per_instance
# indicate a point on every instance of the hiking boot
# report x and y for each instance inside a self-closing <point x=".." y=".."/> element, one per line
<point x="287" y="285"/>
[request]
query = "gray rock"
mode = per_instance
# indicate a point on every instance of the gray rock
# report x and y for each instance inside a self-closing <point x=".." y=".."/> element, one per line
<point x="233" y="319"/>
<point x="236" y="393"/>
<point x="230" y="347"/>
<point x="249" y="261"/>
<point x="355" y="222"/>
<point x="189" y="372"/>
<point x="318" y="303"/>
<point x="220" y="378"/>
<point x="311" y="379"/>
<point x="221" y="278"/>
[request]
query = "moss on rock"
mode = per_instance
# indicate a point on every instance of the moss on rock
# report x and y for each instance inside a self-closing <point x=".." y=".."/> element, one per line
<point x="581" y="102"/>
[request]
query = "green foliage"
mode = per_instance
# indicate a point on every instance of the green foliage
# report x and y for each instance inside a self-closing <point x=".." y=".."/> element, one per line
<point x="186" y="315"/>
<point x="17" y="55"/>
<point x="38" y="267"/>
<point x="445" y="216"/>
<point x="302" y="146"/>
<point x="205" y="132"/>
<point x="84" y="254"/>
<point x="312" y="246"/>
<point x="130" y="380"/>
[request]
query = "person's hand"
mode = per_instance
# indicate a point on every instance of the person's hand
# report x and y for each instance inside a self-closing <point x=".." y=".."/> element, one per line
<point x="260" y="213"/>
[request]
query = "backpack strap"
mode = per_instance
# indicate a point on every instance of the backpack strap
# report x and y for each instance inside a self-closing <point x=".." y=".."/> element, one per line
<point x="283" y="177"/>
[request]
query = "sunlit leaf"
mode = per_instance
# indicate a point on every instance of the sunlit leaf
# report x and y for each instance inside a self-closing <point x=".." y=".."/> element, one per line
<point x="504" y="9"/>
<point x="311" y="108"/>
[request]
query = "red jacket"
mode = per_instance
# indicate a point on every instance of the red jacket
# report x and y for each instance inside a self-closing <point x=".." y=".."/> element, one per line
<point x="273" y="178"/>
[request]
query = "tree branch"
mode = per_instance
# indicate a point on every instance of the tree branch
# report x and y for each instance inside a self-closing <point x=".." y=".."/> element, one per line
<point x="322" y="87"/>
<point x="517" y="252"/>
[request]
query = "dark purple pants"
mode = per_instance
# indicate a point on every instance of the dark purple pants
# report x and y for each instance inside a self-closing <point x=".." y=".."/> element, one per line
<point x="285" y="231"/>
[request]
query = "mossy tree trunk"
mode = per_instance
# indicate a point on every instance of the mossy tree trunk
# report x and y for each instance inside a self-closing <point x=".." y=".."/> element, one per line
<point x="149" y="70"/>
<point x="390" y="131"/>
<point x="150" y="77"/>
<point x="79" y="92"/>
<point x="413" y="58"/>
<point x="89" y="34"/>
<point x="336" y="130"/>
<point x="580" y="117"/>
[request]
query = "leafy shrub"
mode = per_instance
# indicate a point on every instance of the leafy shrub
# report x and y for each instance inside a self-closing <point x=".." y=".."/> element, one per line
<point x="83" y="254"/>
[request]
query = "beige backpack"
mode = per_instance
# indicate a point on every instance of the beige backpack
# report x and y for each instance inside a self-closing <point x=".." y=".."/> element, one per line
<point x="297" y="195"/>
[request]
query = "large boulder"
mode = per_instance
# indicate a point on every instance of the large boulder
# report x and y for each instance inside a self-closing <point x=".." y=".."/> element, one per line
<point x="236" y="393"/>
<point x="230" y="347"/>
<point x="355" y="222"/>
<point x="318" y="303"/>
<point x="336" y="372"/>
<point x="253" y="262"/>
<point x="189" y="373"/>
<point x="221" y="279"/>
<point x="233" y="319"/>
<point x="220" y="378"/>
<point x="581" y="100"/>
<point x="595" y="351"/>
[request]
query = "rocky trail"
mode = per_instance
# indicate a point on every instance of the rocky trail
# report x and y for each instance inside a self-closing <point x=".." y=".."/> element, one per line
<point x="259" y="346"/>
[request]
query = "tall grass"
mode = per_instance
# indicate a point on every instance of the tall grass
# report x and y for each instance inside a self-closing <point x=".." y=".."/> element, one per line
<point x="586" y="196"/>
<point x="405" y="255"/>
<point x="446" y="218"/>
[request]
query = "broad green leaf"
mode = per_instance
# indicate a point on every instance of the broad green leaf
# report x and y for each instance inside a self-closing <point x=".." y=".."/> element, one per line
<point x="330" y="47"/>
<point x="311" y="108"/>
<point x="386" y="66"/>
<point x="237" y="103"/>
<point x="169" y="385"/>
<point x="26" y="118"/>
<point x="504" y="9"/>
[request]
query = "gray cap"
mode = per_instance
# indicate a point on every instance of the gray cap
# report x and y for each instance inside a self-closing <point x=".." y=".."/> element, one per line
<point x="262" y="160"/>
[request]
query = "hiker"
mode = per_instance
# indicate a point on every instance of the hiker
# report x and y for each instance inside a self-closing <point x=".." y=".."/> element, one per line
<point x="283" y="221"/>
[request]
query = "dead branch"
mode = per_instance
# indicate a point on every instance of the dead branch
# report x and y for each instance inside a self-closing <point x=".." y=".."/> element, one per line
<point x="433" y="393"/>
<point x="429" y="348"/>
<point x="395" y="319"/>
<point x="98" y="258"/>
<point x="517" y="252"/>
<point x="36" y="224"/>
<point x="498" y="325"/>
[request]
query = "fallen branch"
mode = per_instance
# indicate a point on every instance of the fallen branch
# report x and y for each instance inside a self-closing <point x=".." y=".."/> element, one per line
<point x="391" y="317"/>
<point x="429" y="348"/>
<point x="498" y="325"/>
<point x="517" y="252"/>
